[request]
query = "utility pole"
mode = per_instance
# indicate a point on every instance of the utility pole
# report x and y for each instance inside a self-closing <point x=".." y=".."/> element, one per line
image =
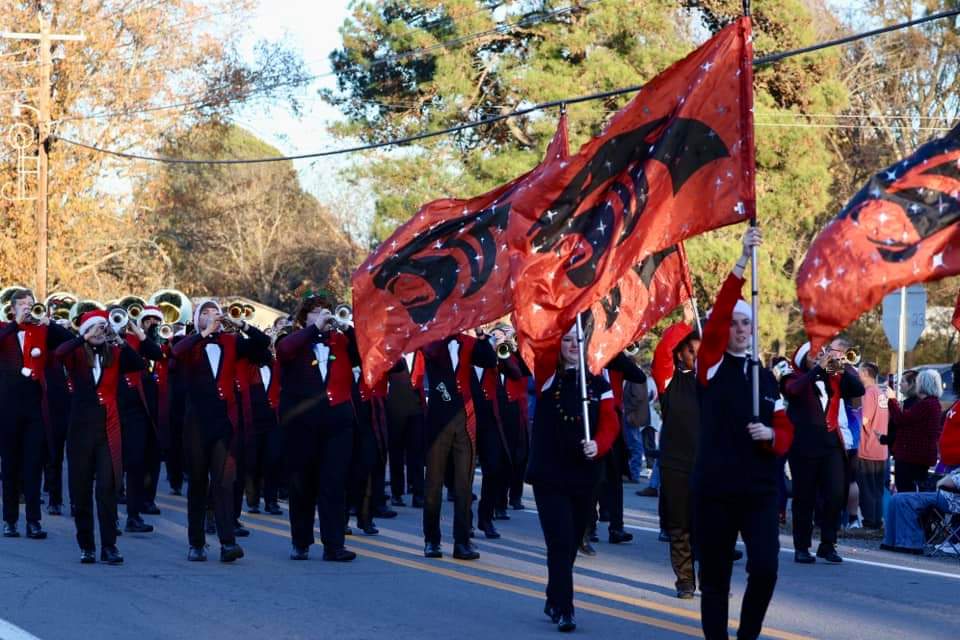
<point x="44" y="38"/>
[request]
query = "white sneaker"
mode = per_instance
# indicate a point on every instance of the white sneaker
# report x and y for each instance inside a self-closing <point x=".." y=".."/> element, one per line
<point x="856" y="524"/>
<point x="646" y="473"/>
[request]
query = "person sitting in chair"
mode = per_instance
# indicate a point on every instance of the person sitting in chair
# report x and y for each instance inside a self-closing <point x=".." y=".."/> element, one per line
<point x="904" y="527"/>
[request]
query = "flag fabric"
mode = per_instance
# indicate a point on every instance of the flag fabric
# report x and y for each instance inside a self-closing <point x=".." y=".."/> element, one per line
<point x="644" y="296"/>
<point x="676" y="161"/>
<point x="444" y="271"/>
<point x="903" y="227"/>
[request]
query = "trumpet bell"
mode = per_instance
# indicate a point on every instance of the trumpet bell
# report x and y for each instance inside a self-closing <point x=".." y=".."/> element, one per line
<point x="38" y="311"/>
<point x="165" y="331"/>
<point x="236" y="310"/>
<point x="119" y="318"/>
<point x="632" y="349"/>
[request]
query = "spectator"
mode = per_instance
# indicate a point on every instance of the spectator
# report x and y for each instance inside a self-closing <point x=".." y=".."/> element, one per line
<point x="917" y="431"/>
<point x="908" y="389"/>
<point x="636" y="417"/>
<point x="872" y="461"/>
<point x="950" y="440"/>
<point x="904" y="532"/>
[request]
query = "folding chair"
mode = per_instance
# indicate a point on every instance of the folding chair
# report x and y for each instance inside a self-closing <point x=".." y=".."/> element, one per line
<point x="943" y="537"/>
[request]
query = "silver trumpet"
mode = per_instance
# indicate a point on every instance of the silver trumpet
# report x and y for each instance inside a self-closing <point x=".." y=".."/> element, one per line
<point x="632" y="349"/>
<point x="506" y="348"/>
<point x="165" y="332"/>
<point x="343" y="315"/>
<point x="118" y="319"/>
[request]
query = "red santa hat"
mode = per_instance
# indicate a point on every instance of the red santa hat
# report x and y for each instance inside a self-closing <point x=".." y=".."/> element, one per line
<point x="150" y="312"/>
<point x="742" y="307"/>
<point x="91" y="319"/>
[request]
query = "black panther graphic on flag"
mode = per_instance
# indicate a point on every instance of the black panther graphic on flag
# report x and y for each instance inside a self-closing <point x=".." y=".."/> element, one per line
<point x="677" y="161"/>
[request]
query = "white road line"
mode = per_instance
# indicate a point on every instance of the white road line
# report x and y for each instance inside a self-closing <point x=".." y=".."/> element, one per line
<point x="9" y="631"/>
<point x="787" y="550"/>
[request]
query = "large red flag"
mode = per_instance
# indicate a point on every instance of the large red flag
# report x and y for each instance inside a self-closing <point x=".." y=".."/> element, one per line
<point x="445" y="270"/>
<point x="649" y="291"/>
<point x="677" y="161"/>
<point x="903" y="227"/>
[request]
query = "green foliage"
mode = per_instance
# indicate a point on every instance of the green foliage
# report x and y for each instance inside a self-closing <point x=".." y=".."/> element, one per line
<point x="596" y="47"/>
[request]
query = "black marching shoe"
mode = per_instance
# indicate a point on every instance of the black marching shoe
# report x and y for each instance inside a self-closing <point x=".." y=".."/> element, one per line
<point x="619" y="536"/>
<point x="586" y="548"/>
<point x="397" y="501"/>
<point x="239" y="531"/>
<point x="465" y="552"/>
<point x="253" y="508"/>
<point x="369" y="529"/>
<point x="500" y="514"/>
<point x="35" y="531"/>
<point x="384" y="512"/>
<point x="517" y="506"/>
<point x="829" y="554"/>
<point x="55" y="510"/>
<point x="88" y="556"/>
<point x="273" y="509"/>
<point x="489" y="531"/>
<point x="230" y="552"/>
<point x="551" y="612"/>
<point x="339" y="555"/>
<point x="10" y="530"/>
<point x="151" y="509"/>
<point x="111" y="555"/>
<point x="299" y="553"/>
<point x="347" y="531"/>
<point x="197" y="554"/>
<point x="417" y="502"/>
<point x="432" y="550"/>
<point x="567" y="623"/>
<point x="137" y="525"/>
<point x="802" y="556"/>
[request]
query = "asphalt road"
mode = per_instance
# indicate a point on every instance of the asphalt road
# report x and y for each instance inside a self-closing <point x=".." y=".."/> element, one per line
<point x="391" y="591"/>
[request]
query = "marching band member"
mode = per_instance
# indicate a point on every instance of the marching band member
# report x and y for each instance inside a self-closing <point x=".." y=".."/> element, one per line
<point x="405" y="406"/>
<point x="58" y="401"/>
<point x="138" y="428"/>
<point x="96" y="361"/>
<point x="565" y="470"/>
<point x="451" y="434"/>
<point x="735" y="473"/>
<point x="155" y="382"/>
<point x="368" y="451"/>
<point x="264" y="445"/>
<point x="491" y="446"/>
<point x="316" y="414"/>
<point x="25" y="345"/>
<point x="208" y="361"/>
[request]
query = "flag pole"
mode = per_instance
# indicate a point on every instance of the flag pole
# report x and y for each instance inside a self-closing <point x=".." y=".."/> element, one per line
<point x="583" y="380"/>
<point x="754" y="272"/>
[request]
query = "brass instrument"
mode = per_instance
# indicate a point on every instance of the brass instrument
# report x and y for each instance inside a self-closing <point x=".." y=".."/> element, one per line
<point x="506" y="348"/>
<point x="236" y="311"/>
<point x="851" y="358"/>
<point x="38" y="312"/>
<point x="248" y="311"/>
<point x="118" y="319"/>
<point x="81" y="307"/>
<point x="632" y="349"/>
<point x="343" y="315"/>
<point x="174" y="305"/>
<point x="59" y="304"/>
<point x="165" y="331"/>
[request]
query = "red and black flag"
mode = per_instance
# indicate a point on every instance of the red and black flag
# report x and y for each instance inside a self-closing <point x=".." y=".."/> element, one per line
<point x="445" y="270"/>
<point x="903" y="227"/>
<point x="677" y="161"/>
<point x="650" y="290"/>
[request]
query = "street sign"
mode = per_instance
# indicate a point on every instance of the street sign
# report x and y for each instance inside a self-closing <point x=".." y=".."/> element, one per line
<point x="915" y="316"/>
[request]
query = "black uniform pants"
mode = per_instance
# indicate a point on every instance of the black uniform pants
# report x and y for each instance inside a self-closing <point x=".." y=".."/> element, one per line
<point x="452" y="445"/>
<point x="210" y="472"/>
<point x="717" y="521"/>
<point x="364" y="460"/>
<point x="53" y="469"/>
<point x="173" y="456"/>
<point x="821" y="476"/>
<point x="91" y="476"/>
<point x="264" y="472"/>
<point x="406" y="446"/>
<point x="676" y="521"/>
<point x="318" y="480"/>
<point x="611" y="492"/>
<point x="22" y="448"/>
<point x="563" y="519"/>
<point x="136" y="427"/>
<point x="496" y="470"/>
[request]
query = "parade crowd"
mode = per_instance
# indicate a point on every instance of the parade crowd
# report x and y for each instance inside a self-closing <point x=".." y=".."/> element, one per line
<point x="243" y="415"/>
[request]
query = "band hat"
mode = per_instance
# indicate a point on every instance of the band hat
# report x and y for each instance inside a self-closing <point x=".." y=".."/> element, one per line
<point x="201" y="304"/>
<point x="742" y="307"/>
<point x="800" y="357"/>
<point x="91" y="319"/>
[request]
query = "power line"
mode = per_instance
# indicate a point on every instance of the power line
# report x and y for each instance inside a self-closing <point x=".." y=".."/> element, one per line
<point x="531" y="20"/>
<point x="497" y="118"/>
